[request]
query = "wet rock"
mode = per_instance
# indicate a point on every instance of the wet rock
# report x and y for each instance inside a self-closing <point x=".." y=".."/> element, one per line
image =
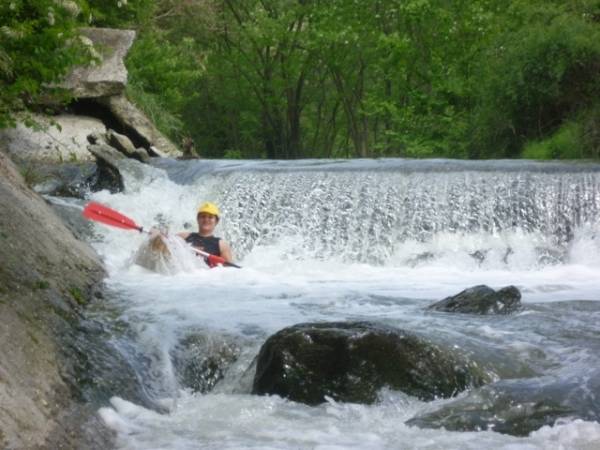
<point x="62" y="138"/>
<point x="61" y="180"/>
<point x="71" y="216"/>
<point x="130" y="117"/>
<point x="108" y="76"/>
<point x="518" y="407"/>
<point x="107" y="174"/>
<point x="125" y="146"/>
<point x="481" y="300"/>
<point x="202" y="358"/>
<point x="352" y="361"/>
<point x="46" y="277"/>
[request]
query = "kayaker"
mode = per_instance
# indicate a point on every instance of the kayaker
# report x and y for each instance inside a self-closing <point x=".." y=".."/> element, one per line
<point x="208" y="218"/>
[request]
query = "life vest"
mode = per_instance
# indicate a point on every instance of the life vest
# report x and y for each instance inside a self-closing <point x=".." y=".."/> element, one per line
<point x="208" y="244"/>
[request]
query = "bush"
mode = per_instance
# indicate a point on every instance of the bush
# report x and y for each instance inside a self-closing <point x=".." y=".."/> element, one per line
<point x="534" y="80"/>
<point x="161" y="79"/>
<point x="566" y="143"/>
<point x="38" y="45"/>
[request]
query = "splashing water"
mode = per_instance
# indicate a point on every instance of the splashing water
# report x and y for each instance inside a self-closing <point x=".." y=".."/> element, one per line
<point x="375" y="240"/>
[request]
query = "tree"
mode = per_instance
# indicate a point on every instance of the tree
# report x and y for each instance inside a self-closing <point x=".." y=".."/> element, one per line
<point x="38" y="45"/>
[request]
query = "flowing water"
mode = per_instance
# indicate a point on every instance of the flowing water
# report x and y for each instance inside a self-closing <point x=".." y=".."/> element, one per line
<point x="346" y="240"/>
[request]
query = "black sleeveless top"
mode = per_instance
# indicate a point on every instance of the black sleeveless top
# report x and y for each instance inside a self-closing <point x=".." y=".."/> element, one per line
<point x="209" y="244"/>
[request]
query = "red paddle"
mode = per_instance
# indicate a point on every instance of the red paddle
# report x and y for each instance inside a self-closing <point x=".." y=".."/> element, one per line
<point x="100" y="213"/>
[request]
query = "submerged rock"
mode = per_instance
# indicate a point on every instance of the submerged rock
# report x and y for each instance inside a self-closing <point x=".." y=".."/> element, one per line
<point x="201" y="360"/>
<point x="352" y="361"/>
<point x="481" y="300"/>
<point x="518" y="407"/>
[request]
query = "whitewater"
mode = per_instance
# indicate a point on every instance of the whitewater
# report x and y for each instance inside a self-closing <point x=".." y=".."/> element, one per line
<point x="375" y="240"/>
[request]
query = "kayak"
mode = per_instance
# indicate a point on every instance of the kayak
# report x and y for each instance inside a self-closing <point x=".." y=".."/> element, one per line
<point x="154" y="255"/>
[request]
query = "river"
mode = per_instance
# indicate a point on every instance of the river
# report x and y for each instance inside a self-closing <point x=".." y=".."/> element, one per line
<point x="377" y="240"/>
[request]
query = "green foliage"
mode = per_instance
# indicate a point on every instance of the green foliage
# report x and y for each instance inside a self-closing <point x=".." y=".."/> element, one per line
<point x="38" y="45"/>
<point x="533" y="79"/>
<point x="41" y="284"/>
<point x="342" y="78"/>
<point x="119" y="13"/>
<point x="30" y="175"/>
<point x="161" y="79"/>
<point x="565" y="143"/>
<point x="77" y="295"/>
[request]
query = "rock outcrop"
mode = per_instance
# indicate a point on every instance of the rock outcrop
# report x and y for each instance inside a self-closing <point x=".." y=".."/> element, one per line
<point x="107" y="175"/>
<point x="63" y="139"/>
<point x="352" y="361"/>
<point x="46" y="276"/>
<point x="125" y="146"/>
<point x="481" y="300"/>
<point x="131" y="118"/>
<point x="99" y="103"/>
<point x="108" y="75"/>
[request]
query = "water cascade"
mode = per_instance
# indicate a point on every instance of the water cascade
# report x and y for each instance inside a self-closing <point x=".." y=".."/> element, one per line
<point x="375" y="240"/>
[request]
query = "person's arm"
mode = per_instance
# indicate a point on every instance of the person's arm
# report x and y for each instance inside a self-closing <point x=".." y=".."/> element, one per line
<point x="225" y="251"/>
<point x="183" y="235"/>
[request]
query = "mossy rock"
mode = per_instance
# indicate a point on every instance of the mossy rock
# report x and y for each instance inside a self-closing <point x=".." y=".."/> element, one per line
<point x="481" y="300"/>
<point x="518" y="407"/>
<point x="201" y="359"/>
<point x="352" y="361"/>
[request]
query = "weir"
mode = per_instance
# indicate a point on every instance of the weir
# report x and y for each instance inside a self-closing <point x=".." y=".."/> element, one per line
<point x="404" y="212"/>
<point x="370" y="240"/>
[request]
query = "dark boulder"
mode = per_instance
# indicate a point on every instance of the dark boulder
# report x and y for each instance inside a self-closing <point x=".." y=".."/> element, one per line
<point x="202" y="358"/>
<point x="107" y="175"/>
<point x="518" y="407"/>
<point x="481" y="300"/>
<point x="61" y="180"/>
<point x="352" y="361"/>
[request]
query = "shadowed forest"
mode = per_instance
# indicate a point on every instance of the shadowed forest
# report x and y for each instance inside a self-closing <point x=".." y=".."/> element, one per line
<point x="291" y="79"/>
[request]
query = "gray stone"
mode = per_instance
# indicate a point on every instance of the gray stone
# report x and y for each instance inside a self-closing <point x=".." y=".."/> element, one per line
<point x="130" y="117"/>
<point x="141" y="155"/>
<point x="46" y="275"/>
<point x="481" y="300"/>
<point x="520" y="406"/>
<point x="65" y="142"/>
<point x="97" y="138"/>
<point x="108" y="175"/>
<point x="125" y="146"/>
<point x="109" y="75"/>
<point x="352" y="361"/>
<point x="63" y="180"/>
<point x="106" y="153"/>
<point x="121" y="142"/>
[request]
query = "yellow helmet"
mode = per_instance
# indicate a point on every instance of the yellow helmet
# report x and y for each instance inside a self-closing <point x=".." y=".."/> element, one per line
<point x="209" y="208"/>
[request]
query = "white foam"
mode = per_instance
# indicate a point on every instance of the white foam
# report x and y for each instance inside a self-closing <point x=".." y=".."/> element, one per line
<point x="289" y="278"/>
<point x="244" y="421"/>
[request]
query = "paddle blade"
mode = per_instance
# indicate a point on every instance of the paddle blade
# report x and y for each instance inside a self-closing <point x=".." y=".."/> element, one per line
<point x="100" y="213"/>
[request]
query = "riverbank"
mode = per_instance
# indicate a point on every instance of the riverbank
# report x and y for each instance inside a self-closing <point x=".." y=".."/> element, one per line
<point x="47" y="277"/>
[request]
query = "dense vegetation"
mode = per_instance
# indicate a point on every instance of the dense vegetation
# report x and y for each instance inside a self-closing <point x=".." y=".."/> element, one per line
<point x="346" y="78"/>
